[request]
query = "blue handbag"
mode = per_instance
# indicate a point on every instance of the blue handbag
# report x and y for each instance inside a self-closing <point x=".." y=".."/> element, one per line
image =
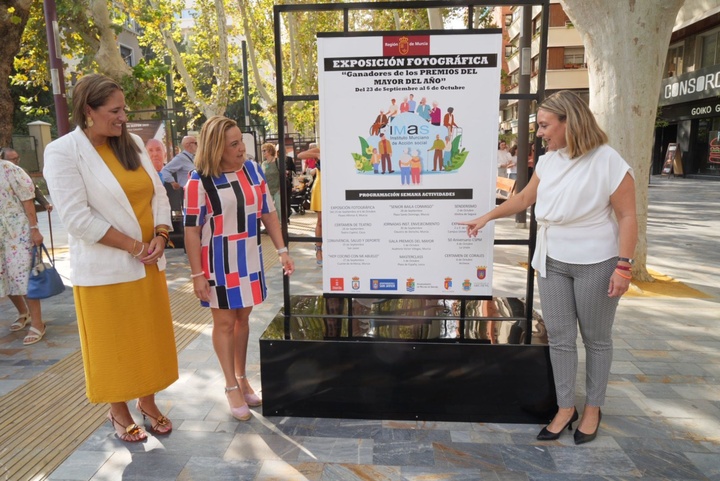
<point x="44" y="279"/>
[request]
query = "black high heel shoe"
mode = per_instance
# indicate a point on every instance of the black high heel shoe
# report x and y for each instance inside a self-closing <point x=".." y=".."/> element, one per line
<point x="582" y="438"/>
<point x="546" y="435"/>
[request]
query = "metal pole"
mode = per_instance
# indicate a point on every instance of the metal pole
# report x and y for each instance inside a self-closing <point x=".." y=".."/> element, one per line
<point x="56" y="67"/>
<point x="246" y="85"/>
<point x="524" y="107"/>
<point x="170" y="103"/>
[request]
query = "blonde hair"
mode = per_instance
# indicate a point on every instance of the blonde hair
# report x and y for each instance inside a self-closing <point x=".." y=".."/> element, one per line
<point x="211" y="145"/>
<point x="270" y="148"/>
<point x="93" y="91"/>
<point x="582" y="132"/>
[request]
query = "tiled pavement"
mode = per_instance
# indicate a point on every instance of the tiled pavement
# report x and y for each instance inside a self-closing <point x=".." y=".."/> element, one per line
<point x="661" y="419"/>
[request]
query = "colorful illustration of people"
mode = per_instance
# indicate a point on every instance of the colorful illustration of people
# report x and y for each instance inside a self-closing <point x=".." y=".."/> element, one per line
<point x="375" y="160"/>
<point x="435" y="114"/>
<point x="449" y="121"/>
<point x="391" y="126"/>
<point x="415" y="167"/>
<point x="411" y="104"/>
<point x="423" y="110"/>
<point x="385" y="149"/>
<point x="405" y="163"/>
<point x="447" y="153"/>
<point x="380" y="122"/>
<point x="438" y="146"/>
<point x="392" y="111"/>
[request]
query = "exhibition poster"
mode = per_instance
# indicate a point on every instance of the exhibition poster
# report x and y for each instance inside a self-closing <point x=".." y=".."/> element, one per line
<point x="408" y="140"/>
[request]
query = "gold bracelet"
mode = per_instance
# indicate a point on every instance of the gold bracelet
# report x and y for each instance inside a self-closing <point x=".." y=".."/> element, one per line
<point x="142" y="248"/>
<point x="193" y="276"/>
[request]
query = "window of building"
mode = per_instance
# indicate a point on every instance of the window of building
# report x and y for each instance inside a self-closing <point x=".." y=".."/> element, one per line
<point x="509" y="49"/>
<point x="674" y="62"/>
<point x="537" y="25"/>
<point x="508" y="19"/>
<point x="574" y="57"/>
<point x="535" y="65"/>
<point x="127" y="54"/>
<point x="710" y="49"/>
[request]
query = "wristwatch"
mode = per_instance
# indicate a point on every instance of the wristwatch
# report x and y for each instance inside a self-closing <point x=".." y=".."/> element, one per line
<point x="626" y="259"/>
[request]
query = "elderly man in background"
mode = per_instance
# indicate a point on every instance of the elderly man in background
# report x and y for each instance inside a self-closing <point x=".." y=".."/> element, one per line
<point x="157" y="152"/>
<point x="181" y="165"/>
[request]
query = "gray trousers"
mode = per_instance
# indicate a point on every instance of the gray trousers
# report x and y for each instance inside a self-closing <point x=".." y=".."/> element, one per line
<point x="575" y="294"/>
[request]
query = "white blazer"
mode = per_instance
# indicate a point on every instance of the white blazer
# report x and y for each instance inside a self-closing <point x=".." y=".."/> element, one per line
<point x="89" y="201"/>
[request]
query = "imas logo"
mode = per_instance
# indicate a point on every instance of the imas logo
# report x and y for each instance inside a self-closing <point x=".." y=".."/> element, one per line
<point x="448" y="283"/>
<point x="410" y="285"/>
<point x="466" y="285"/>
<point x="355" y="283"/>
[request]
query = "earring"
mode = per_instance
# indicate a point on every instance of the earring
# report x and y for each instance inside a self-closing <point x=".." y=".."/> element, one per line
<point x="89" y="122"/>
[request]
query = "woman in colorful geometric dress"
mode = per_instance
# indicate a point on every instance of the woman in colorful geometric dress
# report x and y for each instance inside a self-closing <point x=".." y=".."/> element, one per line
<point x="117" y="215"/>
<point x="225" y="200"/>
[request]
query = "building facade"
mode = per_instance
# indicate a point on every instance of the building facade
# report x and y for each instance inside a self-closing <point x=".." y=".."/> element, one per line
<point x="566" y="65"/>
<point x="689" y="104"/>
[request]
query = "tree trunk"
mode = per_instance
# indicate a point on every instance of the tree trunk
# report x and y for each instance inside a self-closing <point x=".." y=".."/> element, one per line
<point x="625" y="54"/>
<point x="12" y="26"/>
<point x="435" y="19"/>
<point x="108" y="57"/>
<point x="254" y="68"/>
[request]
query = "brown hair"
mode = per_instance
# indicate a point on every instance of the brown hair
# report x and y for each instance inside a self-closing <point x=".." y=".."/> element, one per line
<point x="93" y="91"/>
<point x="582" y="132"/>
<point x="212" y="145"/>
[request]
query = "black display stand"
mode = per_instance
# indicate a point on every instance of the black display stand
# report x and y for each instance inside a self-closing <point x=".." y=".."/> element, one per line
<point x="322" y="364"/>
<point x="471" y="359"/>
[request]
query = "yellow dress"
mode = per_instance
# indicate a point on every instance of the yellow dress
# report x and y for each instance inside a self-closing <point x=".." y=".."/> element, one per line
<point x="316" y="199"/>
<point x="126" y="331"/>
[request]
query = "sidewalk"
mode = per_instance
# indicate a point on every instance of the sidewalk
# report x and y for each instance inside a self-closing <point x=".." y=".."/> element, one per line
<point x="661" y="418"/>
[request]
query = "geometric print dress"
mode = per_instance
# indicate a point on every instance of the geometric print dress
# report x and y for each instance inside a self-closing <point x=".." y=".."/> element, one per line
<point x="228" y="208"/>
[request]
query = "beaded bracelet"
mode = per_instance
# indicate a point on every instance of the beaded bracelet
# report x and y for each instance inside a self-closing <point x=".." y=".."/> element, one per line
<point x="623" y="268"/>
<point x="622" y="275"/>
<point x="193" y="276"/>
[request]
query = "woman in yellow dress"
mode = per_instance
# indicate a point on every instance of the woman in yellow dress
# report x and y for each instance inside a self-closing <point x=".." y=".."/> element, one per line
<point x="117" y="215"/>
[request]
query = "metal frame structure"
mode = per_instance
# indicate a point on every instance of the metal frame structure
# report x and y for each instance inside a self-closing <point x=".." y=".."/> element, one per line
<point x="538" y="96"/>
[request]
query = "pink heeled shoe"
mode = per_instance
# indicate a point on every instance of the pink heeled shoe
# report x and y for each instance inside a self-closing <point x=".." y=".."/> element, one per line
<point x="252" y="399"/>
<point x="243" y="412"/>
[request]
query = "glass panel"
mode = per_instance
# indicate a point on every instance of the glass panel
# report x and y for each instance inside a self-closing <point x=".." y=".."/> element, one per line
<point x="318" y="318"/>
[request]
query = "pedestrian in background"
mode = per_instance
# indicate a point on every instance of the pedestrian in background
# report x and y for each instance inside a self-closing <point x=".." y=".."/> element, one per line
<point x="587" y="233"/>
<point x="226" y="198"/>
<point x="272" y="174"/>
<point x="316" y="199"/>
<point x="111" y="200"/>
<point x="19" y="231"/>
<point x="41" y="202"/>
<point x="177" y="170"/>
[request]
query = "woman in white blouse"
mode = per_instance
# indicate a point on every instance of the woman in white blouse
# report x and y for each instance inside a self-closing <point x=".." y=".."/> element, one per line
<point x="583" y="254"/>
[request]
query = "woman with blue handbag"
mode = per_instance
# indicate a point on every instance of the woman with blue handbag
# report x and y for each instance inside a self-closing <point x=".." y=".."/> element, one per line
<point x="18" y="233"/>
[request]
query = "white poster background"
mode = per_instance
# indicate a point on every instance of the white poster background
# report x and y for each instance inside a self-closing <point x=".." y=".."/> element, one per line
<point x="396" y="233"/>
